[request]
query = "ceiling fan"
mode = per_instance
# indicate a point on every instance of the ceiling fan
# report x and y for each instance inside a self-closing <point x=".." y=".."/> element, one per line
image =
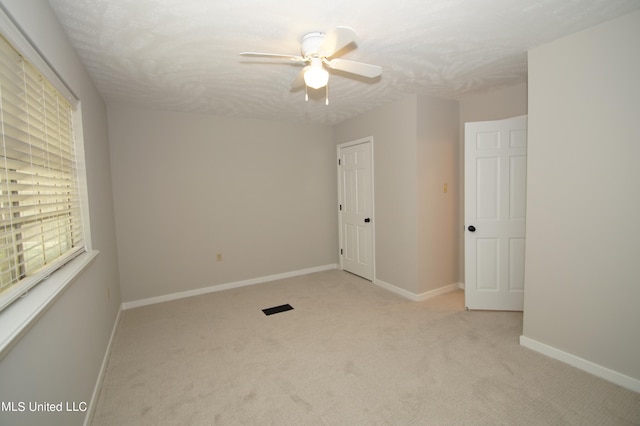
<point x="318" y="53"/>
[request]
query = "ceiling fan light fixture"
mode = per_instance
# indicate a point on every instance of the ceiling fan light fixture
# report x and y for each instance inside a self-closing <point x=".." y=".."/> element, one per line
<point x="316" y="76"/>
<point x="318" y="51"/>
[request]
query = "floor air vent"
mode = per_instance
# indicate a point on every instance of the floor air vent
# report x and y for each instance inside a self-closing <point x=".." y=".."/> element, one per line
<point x="277" y="309"/>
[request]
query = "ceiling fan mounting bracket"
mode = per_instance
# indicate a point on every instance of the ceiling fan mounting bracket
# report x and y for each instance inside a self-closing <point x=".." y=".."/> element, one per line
<point x="311" y="43"/>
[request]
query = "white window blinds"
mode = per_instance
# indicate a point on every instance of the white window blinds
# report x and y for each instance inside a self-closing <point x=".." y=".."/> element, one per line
<point x="40" y="213"/>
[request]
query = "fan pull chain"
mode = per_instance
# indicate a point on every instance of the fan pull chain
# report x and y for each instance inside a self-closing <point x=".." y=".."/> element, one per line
<point x="306" y="93"/>
<point x="326" y="94"/>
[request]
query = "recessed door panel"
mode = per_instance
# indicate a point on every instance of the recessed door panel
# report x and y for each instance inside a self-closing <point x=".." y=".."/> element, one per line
<point x="488" y="264"/>
<point x="487" y="189"/>
<point x="517" y="187"/>
<point x="516" y="264"/>
<point x="518" y="138"/>
<point x="487" y="140"/>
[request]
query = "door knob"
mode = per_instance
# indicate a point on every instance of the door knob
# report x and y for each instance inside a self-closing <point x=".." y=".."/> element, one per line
<point x="472" y="228"/>
<point x="367" y="220"/>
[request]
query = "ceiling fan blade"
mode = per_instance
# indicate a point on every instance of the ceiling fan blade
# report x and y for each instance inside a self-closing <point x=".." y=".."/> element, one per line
<point x="272" y="55"/>
<point x="298" y="82"/>
<point x="359" y="68"/>
<point x="337" y="40"/>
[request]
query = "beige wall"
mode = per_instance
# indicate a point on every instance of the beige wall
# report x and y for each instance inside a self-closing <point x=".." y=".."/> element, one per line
<point x="581" y="278"/>
<point x="495" y="104"/>
<point x="415" y="151"/>
<point x="188" y="186"/>
<point x="394" y="131"/>
<point x="60" y="356"/>
<point x="438" y="221"/>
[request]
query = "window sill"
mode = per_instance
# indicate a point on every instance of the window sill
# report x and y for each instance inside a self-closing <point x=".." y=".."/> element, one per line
<point x="21" y="315"/>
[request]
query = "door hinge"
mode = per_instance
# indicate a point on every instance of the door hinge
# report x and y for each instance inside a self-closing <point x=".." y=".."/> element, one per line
<point x="340" y="207"/>
<point x="339" y="163"/>
<point x="340" y="252"/>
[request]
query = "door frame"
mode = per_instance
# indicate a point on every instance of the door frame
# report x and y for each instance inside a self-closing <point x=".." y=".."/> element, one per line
<point x="367" y="140"/>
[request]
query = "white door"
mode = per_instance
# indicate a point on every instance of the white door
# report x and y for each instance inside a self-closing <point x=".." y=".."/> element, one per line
<point x="355" y="204"/>
<point x="495" y="205"/>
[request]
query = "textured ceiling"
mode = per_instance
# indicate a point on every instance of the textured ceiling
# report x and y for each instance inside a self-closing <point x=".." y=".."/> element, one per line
<point x="182" y="55"/>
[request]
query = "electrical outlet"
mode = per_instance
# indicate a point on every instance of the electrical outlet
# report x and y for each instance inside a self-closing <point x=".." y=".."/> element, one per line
<point x="219" y="257"/>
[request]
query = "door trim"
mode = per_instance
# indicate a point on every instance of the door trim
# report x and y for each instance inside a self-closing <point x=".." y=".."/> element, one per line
<point x="366" y="140"/>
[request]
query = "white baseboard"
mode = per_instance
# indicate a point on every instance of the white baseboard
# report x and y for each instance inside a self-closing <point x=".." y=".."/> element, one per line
<point x="103" y="369"/>
<point x="221" y="287"/>
<point x="394" y="289"/>
<point x="416" y="297"/>
<point x="584" y="365"/>
<point x="438" y="291"/>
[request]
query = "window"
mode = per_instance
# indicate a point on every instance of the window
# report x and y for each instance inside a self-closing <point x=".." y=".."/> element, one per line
<point x="41" y="225"/>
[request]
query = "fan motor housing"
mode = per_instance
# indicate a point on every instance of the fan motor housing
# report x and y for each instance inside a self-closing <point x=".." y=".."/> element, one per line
<point x="311" y="44"/>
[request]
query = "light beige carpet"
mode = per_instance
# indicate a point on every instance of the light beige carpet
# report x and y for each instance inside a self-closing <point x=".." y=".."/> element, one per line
<point x="349" y="353"/>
